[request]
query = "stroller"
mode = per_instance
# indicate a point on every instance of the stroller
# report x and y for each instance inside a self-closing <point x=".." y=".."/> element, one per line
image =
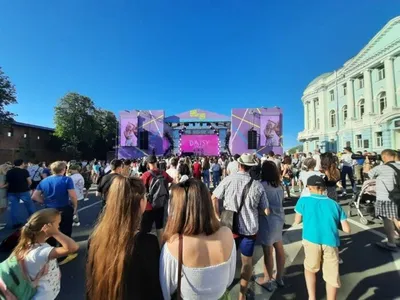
<point x="364" y="201"/>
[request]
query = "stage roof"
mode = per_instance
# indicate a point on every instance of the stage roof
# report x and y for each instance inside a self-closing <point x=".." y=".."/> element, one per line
<point x="197" y="115"/>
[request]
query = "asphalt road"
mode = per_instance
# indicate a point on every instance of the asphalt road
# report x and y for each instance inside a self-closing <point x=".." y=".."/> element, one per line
<point x="367" y="272"/>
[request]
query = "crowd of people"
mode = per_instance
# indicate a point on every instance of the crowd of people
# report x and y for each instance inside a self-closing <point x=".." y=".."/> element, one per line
<point x="182" y="221"/>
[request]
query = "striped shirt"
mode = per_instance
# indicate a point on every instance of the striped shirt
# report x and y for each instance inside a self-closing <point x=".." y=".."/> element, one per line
<point x="231" y="189"/>
<point x="385" y="180"/>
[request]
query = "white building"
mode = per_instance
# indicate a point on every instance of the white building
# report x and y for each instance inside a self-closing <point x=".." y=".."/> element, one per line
<point x="359" y="104"/>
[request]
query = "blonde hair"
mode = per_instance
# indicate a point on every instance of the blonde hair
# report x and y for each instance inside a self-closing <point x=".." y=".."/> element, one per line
<point x="4" y="168"/>
<point x="58" y="166"/>
<point x="32" y="229"/>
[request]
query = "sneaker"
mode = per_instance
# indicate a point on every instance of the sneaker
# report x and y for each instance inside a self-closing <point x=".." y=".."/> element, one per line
<point x="86" y="199"/>
<point x="69" y="258"/>
<point x="271" y="286"/>
<point x="387" y="246"/>
<point x="280" y="283"/>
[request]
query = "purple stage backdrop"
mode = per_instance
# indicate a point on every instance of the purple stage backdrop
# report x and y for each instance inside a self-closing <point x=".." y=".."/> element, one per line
<point x="151" y="121"/>
<point x="270" y="131"/>
<point x="129" y="129"/>
<point x="245" y="119"/>
<point x="200" y="144"/>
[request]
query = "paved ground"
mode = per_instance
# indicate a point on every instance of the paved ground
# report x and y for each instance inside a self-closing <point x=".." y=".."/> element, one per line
<point x="367" y="272"/>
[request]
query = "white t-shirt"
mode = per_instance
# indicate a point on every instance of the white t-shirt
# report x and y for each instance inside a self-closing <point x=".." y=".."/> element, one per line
<point x="233" y="167"/>
<point x="50" y="284"/>
<point x="173" y="173"/>
<point x="304" y="175"/>
<point x="317" y="158"/>
<point x="346" y="159"/>
<point x="79" y="184"/>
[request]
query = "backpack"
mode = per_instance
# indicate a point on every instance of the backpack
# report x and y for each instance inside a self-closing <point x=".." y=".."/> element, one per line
<point x="394" y="195"/>
<point x="15" y="277"/>
<point x="158" y="193"/>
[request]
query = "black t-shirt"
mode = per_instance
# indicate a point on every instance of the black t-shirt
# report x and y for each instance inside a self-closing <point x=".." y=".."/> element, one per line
<point x="17" y="182"/>
<point x="141" y="278"/>
<point x="105" y="184"/>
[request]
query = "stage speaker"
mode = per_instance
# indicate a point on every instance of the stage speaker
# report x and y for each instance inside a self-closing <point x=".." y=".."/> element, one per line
<point x="144" y="140"/>
<point x="252" y="139"/>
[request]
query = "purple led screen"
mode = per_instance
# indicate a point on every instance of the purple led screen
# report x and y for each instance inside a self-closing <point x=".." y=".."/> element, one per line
<point x="200" y="144"/>
<point x="245" y="119"/>
<point x="129" y="130"/>
<point x="270" y="131"/>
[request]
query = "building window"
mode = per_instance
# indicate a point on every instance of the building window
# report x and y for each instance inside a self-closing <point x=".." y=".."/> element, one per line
<point x="359" y="141"/>
<point x="332" y="93"/>
<point x="381" y="73"/>
<point x="344" y="89"/>
<point x="25" y="135"/>
<point x="332" y="117"/>
<point x="366" y="144"/>
<point x="361" y="82"/>
<point x="379" y="139"/>
<point x="38" y="137"/>
<point x="361" y="108"/>
<point x="344" y="110"/>
<point x="9" y="134"/>
<point x="382" y="102"/>
<point x="348" y="144"/>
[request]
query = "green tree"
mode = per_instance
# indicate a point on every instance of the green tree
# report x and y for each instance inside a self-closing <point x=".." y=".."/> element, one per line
<point x="75" y="122"/>
<point x="7" y="97"/>
<point x="86" y="131"/>
<point x="298" y="148"/>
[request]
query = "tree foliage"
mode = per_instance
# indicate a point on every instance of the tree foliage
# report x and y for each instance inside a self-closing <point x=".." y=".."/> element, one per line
<point x="7" y="97"/>
<point x="293" y="150"/>
<point x="86" y="130"/>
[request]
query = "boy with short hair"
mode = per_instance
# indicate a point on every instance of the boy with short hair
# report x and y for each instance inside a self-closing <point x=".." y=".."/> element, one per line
<point x="322" y="217"/>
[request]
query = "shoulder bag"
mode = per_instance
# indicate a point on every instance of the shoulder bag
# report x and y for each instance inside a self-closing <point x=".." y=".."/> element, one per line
<point x="230" y="218"/>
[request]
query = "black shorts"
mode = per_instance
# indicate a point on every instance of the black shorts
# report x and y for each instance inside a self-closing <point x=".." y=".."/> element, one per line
<point x="152" y="216"/>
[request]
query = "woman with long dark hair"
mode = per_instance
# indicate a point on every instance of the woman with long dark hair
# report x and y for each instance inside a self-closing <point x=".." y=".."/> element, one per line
<point x="271" y="227"/>
<point x="123" y="263"/>
<point x="332" y="174"/>
<point x="206" y="172"/>
<point x="194" y="234"/>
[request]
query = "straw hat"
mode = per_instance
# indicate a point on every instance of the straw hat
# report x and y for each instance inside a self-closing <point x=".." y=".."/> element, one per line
<point x="247" y="159"/>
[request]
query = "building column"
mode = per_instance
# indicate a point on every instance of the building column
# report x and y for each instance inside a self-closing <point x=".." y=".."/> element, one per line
<point x="350" y="99"/>
<point x="322" y="111"/>
<point x="313" y="116"/>
<point x="390" y="85"/>
<point x="369" y="101"/>
<point x="306" y="123"/>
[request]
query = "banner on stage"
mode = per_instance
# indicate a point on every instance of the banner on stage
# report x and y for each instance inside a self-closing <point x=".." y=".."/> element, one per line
<point x="207" y="145"/>
<point x="129" y="131"/>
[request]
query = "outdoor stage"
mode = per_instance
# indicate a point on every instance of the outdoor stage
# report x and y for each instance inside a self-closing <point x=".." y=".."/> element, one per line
<point x="200" y="132"/>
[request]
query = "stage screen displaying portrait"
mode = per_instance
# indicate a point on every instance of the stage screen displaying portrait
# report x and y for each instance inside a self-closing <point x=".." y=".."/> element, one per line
<point x="270" y="131"/>
<point x="129" y="131"/>
<point x="200" y="144"/>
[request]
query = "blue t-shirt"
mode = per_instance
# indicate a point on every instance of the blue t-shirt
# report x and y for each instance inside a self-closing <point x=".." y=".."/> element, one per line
<point x="55" y="190"/>
<point x="321" y="218"/>
<point x="47" y="172"/>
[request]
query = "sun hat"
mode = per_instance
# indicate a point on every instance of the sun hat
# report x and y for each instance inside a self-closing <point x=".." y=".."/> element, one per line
<point x="247" y="159"/>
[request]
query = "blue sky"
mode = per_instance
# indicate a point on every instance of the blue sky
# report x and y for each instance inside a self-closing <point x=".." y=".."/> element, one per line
<point x="179" y="55"/>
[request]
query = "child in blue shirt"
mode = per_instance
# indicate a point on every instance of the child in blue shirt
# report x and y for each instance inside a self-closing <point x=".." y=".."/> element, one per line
<point x="321" y="218"/>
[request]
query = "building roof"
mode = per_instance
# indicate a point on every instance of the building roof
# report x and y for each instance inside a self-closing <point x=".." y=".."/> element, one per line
<point x="322" y="76"/>
<point x="32" y="126"/>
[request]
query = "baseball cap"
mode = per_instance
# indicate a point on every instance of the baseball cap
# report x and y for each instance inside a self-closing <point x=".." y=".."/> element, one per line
<point x="151" y="159"/>
<point x="316" y="180"/>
